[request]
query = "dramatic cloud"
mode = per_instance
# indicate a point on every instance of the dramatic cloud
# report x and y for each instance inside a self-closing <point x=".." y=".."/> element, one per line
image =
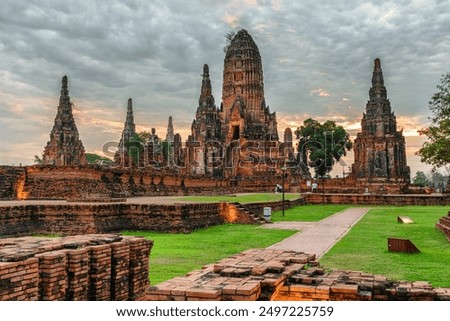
<point x="317" y="58"/>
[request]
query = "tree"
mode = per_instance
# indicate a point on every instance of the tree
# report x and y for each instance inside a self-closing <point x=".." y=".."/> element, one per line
<point x="438" y="180"/>
<point x="436" y="151"/>
<point x="97" y="159"/>
<point x="228" y="37"/>
<point x="38" y="160"/>
<point x="420" y="179"/>
<point x="322" y="145"/>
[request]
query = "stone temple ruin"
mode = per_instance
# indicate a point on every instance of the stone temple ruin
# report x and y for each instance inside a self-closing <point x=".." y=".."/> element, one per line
<point x="232" y="147"/>
<point x="237" y="139"/>
<point x="379" y="148"/>
<point x="65" y="147"/>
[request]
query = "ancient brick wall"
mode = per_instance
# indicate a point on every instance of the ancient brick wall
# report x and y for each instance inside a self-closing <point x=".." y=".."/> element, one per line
<point x="444" y="225"/>
<point x="88" y="267"/>
<point x="9" y="180"/>
<point x="75" y="182"/>
<point x="261" y="274"/>
<point x="72" y="219"/>
<point x="361" y="199"/>
<point x="258" y="208"/>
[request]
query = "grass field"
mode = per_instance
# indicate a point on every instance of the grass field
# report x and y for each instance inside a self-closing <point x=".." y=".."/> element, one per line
<point x="364" y="248"/>
<point x="177" y="254"/>
<point x="246" y="198"/>
<point x="308" y="213"/>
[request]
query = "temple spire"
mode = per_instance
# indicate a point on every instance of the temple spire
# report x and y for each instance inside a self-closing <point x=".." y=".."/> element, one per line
<point x="378" y="90"/>
<point x="64" y="147"/>
<point x="170" y="134"/>
<point x="129" y="122"/>
<point x="206" y="98"/>
<point x="64" y="99"/>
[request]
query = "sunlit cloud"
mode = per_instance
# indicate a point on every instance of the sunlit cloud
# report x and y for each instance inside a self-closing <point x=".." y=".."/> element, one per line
<point x="320" y="92"/>
<point x="231" y="20"/>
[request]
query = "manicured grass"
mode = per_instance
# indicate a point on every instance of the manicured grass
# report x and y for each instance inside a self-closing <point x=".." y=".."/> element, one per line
<point x="308" y="213"/>
<point x="364" y="248"/>
<point x="247" y="198"/>
<point x="177" y="254"/>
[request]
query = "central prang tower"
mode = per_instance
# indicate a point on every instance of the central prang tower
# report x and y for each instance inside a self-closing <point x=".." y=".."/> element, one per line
<point x="243" y="111"/>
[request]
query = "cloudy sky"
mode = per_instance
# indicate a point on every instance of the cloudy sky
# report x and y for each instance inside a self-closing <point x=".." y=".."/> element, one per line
<point x="317" y="59"/>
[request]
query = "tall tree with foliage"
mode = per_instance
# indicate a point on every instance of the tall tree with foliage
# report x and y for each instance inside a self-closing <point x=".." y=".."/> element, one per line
<point x="322" y="145"/>
<point x="420" y="179"/>
<point x="436" y="151"/>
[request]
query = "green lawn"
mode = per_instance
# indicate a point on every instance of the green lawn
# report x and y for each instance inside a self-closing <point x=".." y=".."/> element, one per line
<point x="364" y="248"/>
<point x="177" y="254"/>
<point x="308" y="213"/>
<point x="247" y="198"/>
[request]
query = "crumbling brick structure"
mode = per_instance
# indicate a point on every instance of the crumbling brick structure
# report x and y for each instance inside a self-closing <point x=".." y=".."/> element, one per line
<point x="261" y="274"/>
<point x="76" y="268"/>
<point x="444" y="225"/>
<point x="380" y="148"/>
<point x="65" y="147"/>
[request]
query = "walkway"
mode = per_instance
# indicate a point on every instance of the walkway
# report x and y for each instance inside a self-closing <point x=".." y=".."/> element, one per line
<point x="318" y="237"/>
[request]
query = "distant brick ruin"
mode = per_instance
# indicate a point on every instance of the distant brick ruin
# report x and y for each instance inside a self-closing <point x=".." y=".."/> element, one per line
<point x="65" y="147"/>
<point x="239" y="139"/>
<point x="233" y="147"/>
<point x="379" y="148"/>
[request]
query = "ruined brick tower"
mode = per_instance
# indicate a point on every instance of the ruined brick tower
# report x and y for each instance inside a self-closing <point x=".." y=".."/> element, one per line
<point x="65" y="147"/>
<point x="129" y="130"/>
<point x="243" y="111"/>
<point x="379" y="148"/>
<point x="170" y="133"/>
<point x="204" y="147"/>
<point x="249" y="129"/>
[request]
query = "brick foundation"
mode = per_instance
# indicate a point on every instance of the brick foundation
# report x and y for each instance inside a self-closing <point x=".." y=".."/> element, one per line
<point x="444" y="225"/>
<point x="89" y="267"/>
<point x="73" y="219"/>
<point x="260" y="274"/>
<point x="81" y="218"/>
<point x="374" y="199"/>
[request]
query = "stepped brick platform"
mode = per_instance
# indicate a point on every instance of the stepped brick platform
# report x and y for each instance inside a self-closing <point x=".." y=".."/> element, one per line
<point x="87" y="267"/>
<point x="444" y="225"/>
<point x="90" y="217"/>
<point x="261" y="274"/>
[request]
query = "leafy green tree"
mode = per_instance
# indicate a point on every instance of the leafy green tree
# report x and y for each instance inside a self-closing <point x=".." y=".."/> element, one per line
<point x="438" y="180"/>
<point x="92" y="158"/>
<point x="322" y="145"/>
<point x="436" y="151"/>
<point x="38" y="160"/>
<point x="420" y="179"/>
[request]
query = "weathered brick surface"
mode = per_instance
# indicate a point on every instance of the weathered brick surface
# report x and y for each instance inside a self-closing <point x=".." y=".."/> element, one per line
<point x="89" y="267"/>
<point x="10" y="177"/>
<point x="287" y="276"/>
<point x="444" y="225"/>
<point x="374" y="199"/>
<point x="74" y="219"/>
